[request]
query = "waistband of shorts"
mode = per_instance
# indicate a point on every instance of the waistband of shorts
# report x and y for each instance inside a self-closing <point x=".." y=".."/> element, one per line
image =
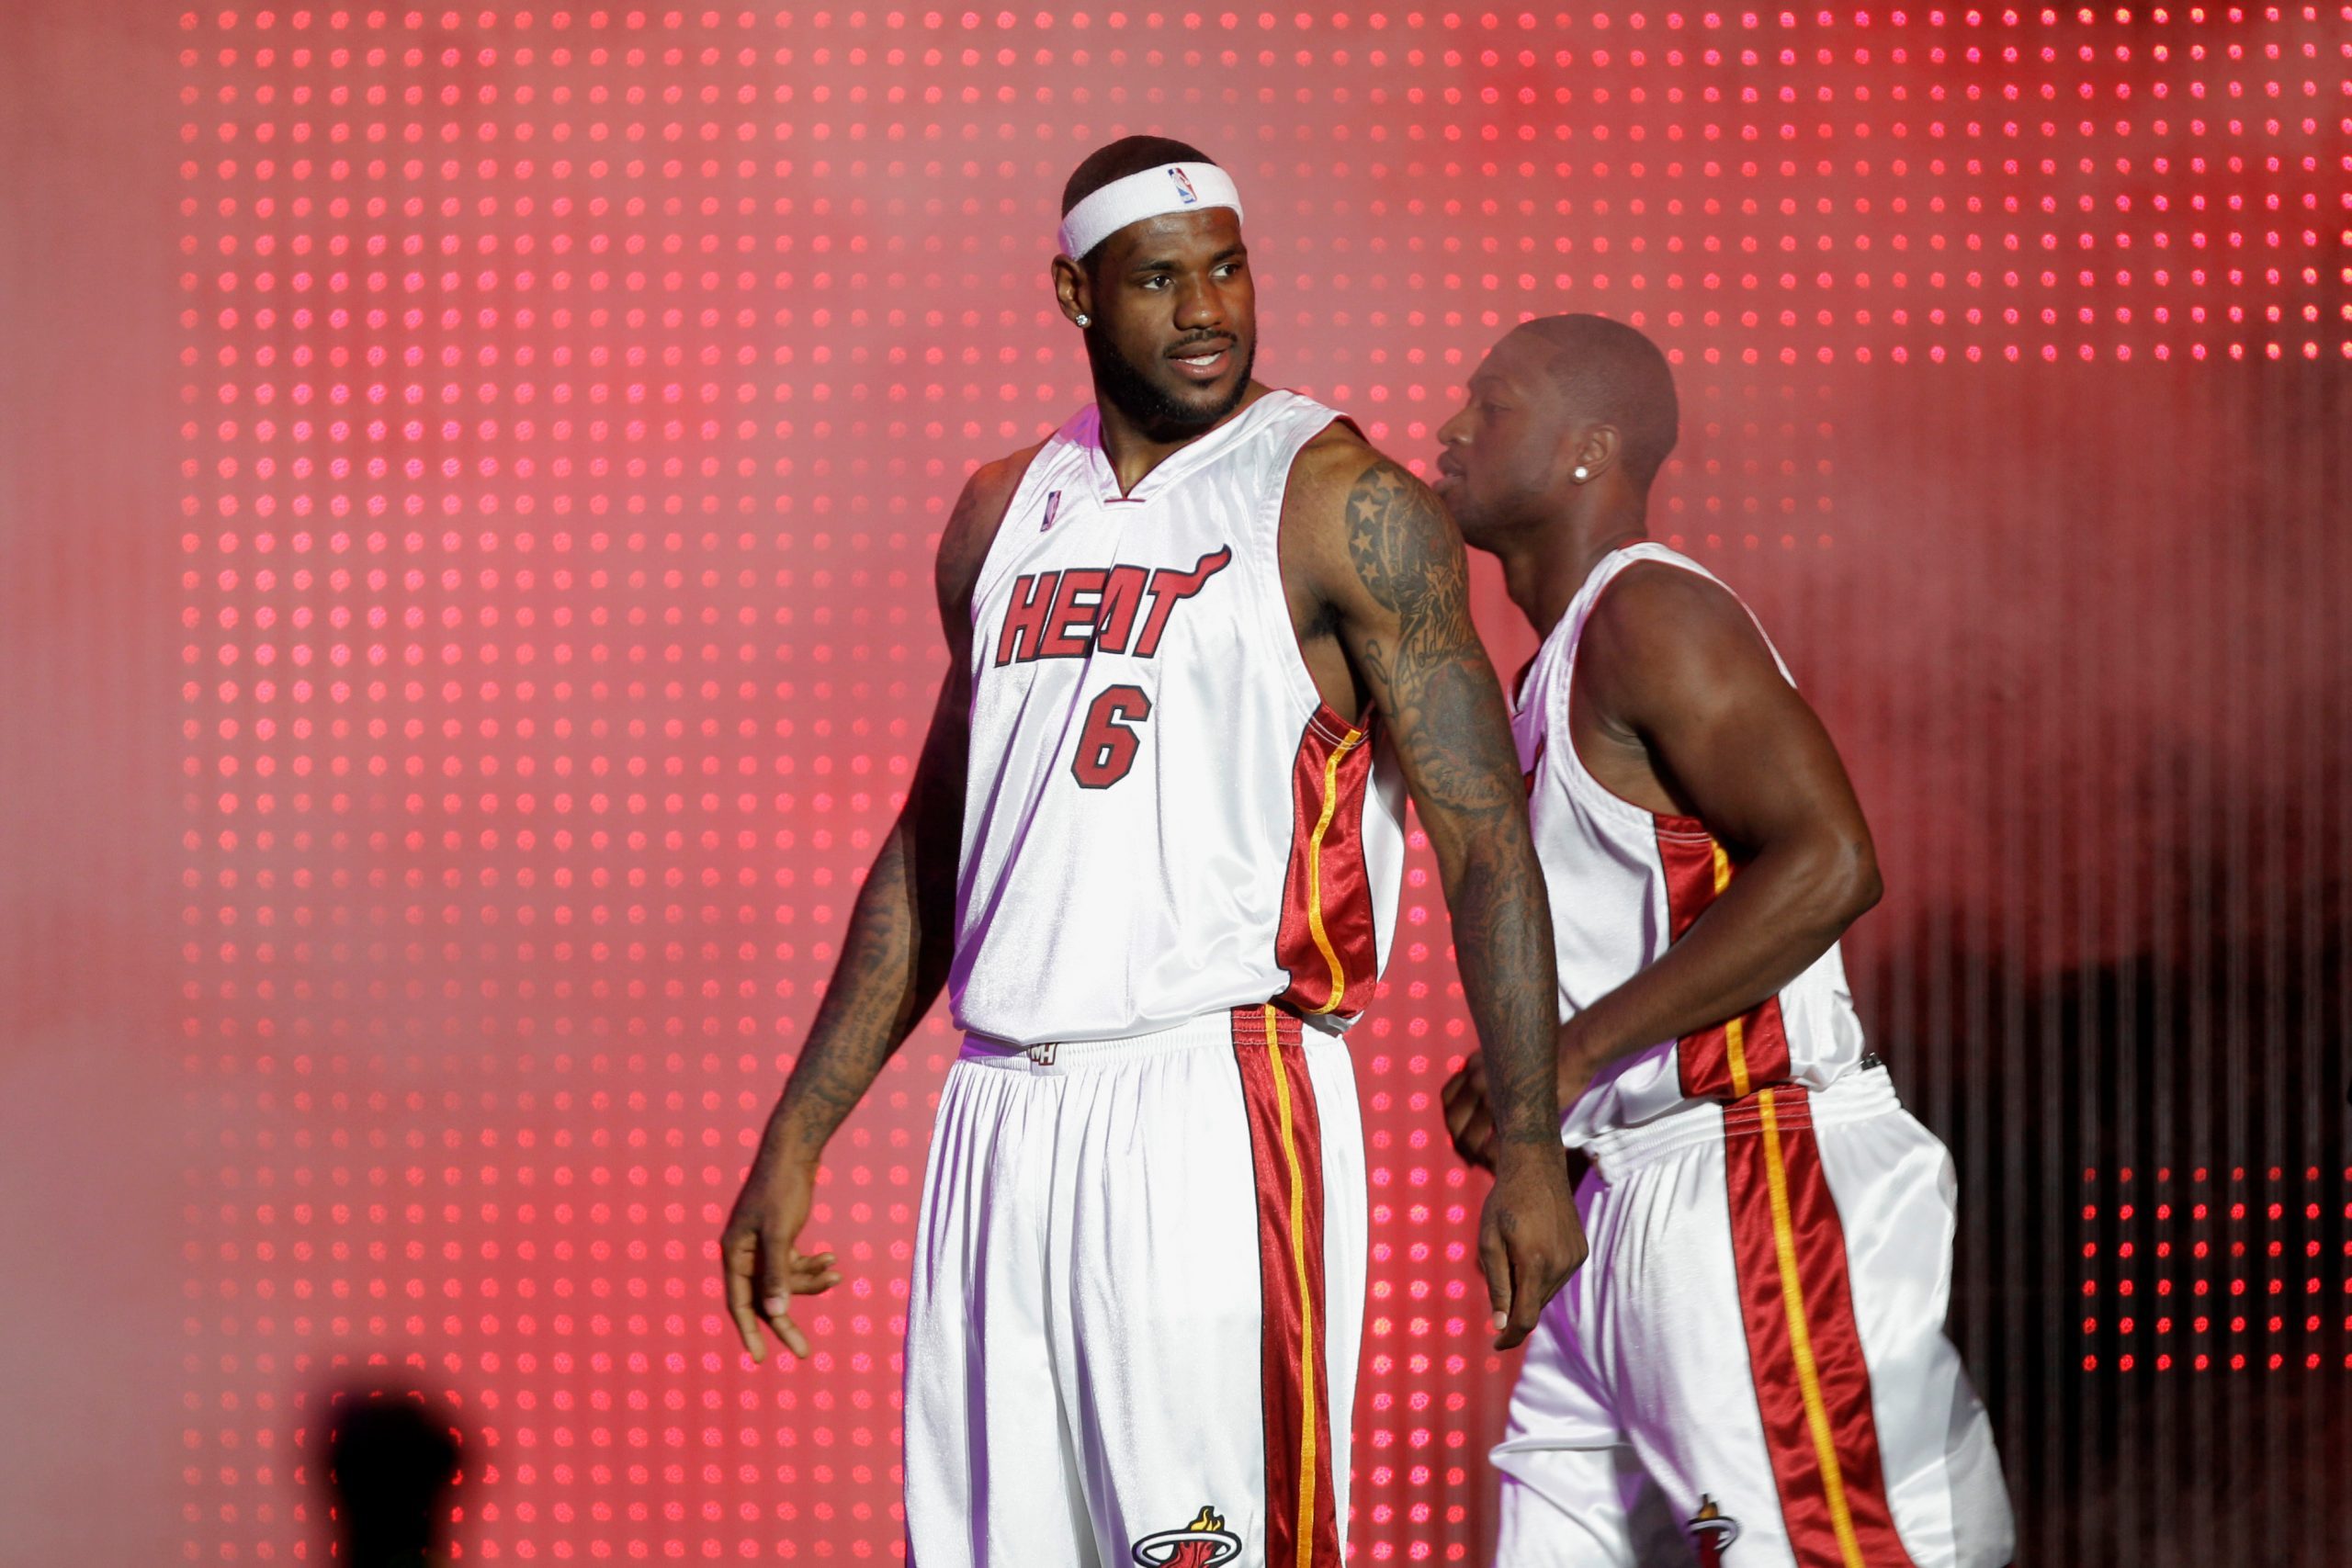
<point x="1218" y="1030"/>
<point x="1857" y="1097"/>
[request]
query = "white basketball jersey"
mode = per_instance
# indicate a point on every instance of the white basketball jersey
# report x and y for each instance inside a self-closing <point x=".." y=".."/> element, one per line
<point x="1162" y="818"/>
<point x="1626" y="883"/>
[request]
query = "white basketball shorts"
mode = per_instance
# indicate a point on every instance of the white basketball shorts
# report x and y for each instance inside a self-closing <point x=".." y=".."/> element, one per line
<point x="1751" y="1369"/>
<point x="1138" y="1300"/>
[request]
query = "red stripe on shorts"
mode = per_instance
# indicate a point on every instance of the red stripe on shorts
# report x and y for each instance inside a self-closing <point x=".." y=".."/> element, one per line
<point x="1805" y="1349"/>
<point x="1286" y="1150"/>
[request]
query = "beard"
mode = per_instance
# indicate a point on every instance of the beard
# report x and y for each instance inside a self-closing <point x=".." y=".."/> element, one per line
<point x="1152" y="409"/>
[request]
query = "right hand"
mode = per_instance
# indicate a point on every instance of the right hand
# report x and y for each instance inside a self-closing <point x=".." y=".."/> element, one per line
<point x="762" y="1268"/>
<point x="1530" y="1238"/>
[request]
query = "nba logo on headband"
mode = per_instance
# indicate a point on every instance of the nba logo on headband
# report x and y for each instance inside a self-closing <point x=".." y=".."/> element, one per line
<point x="1189" y="188"/>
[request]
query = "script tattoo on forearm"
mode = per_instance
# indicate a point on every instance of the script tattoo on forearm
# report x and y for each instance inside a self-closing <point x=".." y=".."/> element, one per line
<point x="1439" y="696"/>
<point x="1501" y="943"/>
<point x="894" y="957"/>
<point x="853" y="1032"/>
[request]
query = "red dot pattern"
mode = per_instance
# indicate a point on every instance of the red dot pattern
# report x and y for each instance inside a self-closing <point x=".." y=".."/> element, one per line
<point x="571" y="399"/>
<point x="2210" y="1270"/>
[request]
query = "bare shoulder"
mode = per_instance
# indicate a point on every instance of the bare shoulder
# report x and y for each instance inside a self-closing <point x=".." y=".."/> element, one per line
<point x="1326" y="475"/>
<point x="1328" y="463"/>
<point x="972" y="526"/>
<point x="1660" y="632"/>
<point x="1360" y="518"/>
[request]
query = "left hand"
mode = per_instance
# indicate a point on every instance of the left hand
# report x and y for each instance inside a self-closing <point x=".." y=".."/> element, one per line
<point x="1470" y="1121"/>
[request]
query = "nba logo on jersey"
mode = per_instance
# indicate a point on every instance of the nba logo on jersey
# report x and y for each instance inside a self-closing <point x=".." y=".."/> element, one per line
<point x="1052" y="504"/>
<point x="1183" y="186"/>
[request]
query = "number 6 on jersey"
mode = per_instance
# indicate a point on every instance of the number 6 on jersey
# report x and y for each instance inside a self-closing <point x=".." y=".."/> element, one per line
<point x="1106" y="747"/>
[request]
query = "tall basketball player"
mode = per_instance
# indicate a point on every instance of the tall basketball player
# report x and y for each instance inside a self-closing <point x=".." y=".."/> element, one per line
<point x="1756" y="1354"/>
<point x="1199" y="638"/>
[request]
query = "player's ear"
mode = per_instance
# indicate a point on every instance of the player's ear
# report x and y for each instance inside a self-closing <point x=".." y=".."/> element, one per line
<point x="1590" y="452"/>
<point x="1073" y="291"/>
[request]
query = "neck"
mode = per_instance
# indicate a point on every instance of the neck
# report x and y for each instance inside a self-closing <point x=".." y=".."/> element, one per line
<point x="1546" y="564"/>
<point x="1134" y="452"/>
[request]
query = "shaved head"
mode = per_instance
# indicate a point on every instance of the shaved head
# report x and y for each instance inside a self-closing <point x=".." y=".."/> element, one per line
<point x="1564" y="416"/>
<point x="1607" y="373"/>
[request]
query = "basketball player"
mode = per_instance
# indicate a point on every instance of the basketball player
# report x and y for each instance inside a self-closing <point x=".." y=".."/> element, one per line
<point x="1756" y="1354"/>
<point x="1199" y="640"/>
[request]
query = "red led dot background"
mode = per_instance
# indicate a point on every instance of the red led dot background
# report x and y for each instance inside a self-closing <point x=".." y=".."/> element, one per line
<point x="476" y="472"/>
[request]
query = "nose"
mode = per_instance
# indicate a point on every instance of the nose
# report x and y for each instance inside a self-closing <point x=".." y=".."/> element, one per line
<point x="1455" y="432"/>
<point x="1202" y="307"/>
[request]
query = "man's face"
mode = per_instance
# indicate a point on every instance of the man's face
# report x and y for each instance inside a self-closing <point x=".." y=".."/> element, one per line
<point x="1502" y="454"/>
<point x="1175" y="328"/>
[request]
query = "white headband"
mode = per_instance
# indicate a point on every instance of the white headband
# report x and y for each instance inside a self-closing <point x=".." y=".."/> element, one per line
<point x="1171" y="187"/>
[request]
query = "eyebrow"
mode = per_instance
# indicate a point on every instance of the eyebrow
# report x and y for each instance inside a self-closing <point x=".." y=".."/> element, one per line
<point x="1169" y="263"/>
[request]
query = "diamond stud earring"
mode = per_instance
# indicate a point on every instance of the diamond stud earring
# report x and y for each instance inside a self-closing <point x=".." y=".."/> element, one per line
<point x="1581" y="474"/>
<point x="1084" y="319"/>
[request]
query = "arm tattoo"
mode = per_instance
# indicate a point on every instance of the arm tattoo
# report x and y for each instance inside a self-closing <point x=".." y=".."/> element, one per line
<point x="853" y="1034"/>
<point x="1502" y="943"/>
<point x="1435" y="689"/>
<point x="1438" y="695"/>
<point x="895" y="953"/>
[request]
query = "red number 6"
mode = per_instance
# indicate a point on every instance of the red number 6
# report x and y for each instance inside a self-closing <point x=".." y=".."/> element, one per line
<point x="1106" y="747"/>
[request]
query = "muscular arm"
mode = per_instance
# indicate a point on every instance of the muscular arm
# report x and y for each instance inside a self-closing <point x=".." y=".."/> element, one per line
<point x="1395" y="581"/>
<point x="894" y="959"/>
<point x="1403" y="615"/>
<point x="895" y="954"/>
<point x="1671" y="664"/>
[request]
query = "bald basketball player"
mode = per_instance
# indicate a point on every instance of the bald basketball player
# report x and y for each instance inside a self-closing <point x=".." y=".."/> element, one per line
<point x="1753" y="1368"/>
<point x="1201" y="640"/>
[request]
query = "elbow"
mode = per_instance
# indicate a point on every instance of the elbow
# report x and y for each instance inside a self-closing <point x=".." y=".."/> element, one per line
<point x="1860" y="885"/>
<point x="1836" y="882"/>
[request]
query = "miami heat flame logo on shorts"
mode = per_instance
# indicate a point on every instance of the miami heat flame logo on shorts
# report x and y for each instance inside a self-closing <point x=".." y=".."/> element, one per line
<point x="1203" y="1543"/>
<point x="1711" y="1531"/>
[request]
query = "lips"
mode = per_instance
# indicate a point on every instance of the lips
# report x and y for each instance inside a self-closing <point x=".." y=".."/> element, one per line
<point x="1203" y="361"/>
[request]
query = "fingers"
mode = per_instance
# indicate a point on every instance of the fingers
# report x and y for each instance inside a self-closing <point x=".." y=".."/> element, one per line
<point x="1453" y="1091"/>
<point x="1526" y="1302"/>
<point x="1471" y="1079"/>
<point x="777" y="1271"/>
<point x="1478" y="1138"/>
<point x="1469" y="1121"/>
<point x="762" y="1277"/>
<point x="738" y="1259"/>
<point x="1495" y="1263"/>
<point x="1460" y="1106"/>
<point x="812" y="1275"/>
